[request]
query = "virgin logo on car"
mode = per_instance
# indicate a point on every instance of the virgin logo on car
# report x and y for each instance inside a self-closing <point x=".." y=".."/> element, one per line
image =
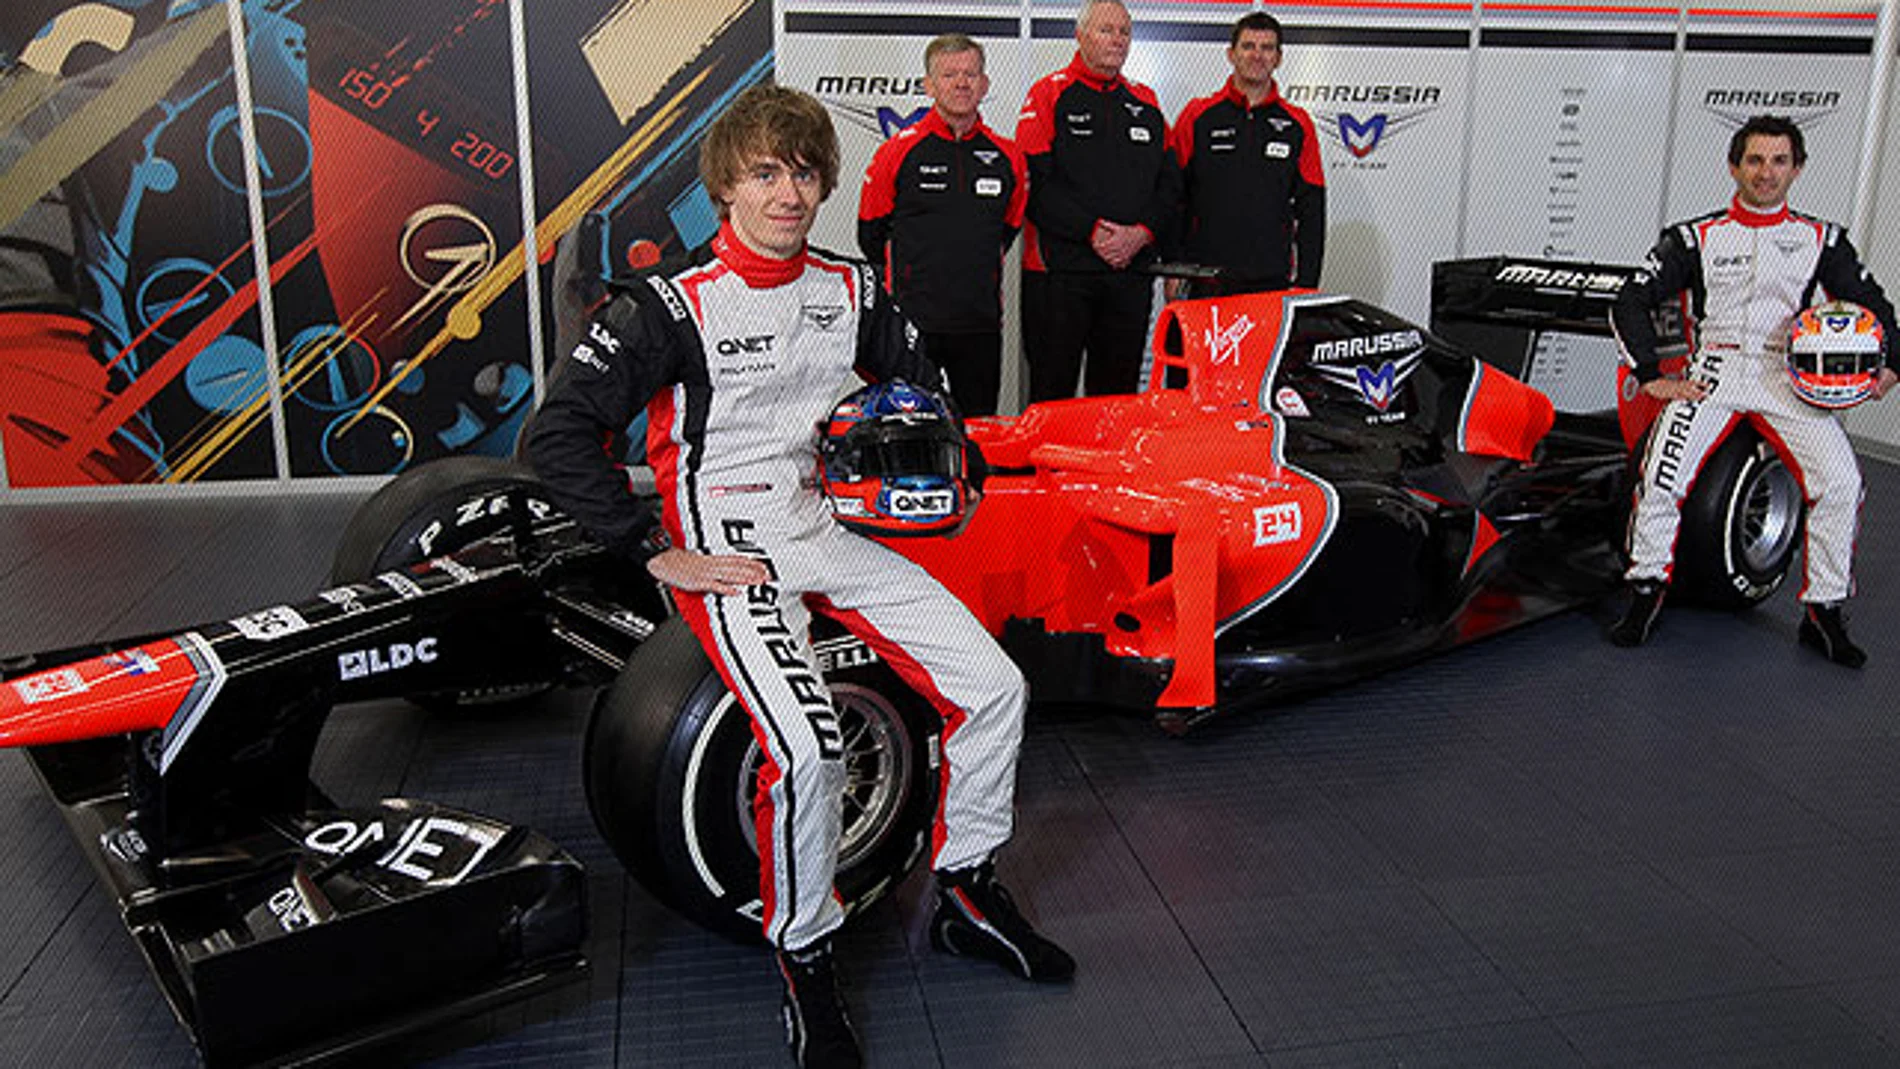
<point x="1224" y="341"/>
<point x="1276" y="524"/>
<point x="361" y="664"/>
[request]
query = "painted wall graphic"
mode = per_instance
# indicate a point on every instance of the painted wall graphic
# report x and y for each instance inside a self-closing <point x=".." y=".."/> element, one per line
<point x="122" y="189"/>
<point x="370" y="156"/>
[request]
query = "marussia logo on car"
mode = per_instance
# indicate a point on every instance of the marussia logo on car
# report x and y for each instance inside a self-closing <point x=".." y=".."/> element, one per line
<point x="360" y="664"/>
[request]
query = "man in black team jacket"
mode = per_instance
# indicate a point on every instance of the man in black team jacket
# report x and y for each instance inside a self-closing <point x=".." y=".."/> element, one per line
<point x="1103" y="190"/>
<point x="736" y="356"/>
<point x="941" y="202"/>
<point x="1255" y="189"/>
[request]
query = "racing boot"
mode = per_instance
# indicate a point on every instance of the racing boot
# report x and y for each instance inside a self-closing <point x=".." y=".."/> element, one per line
<point x="1639" y="620"/>
<point x="976" y="917"/>
<point x="816" y="1026"/>
<point x="1823" y="629"/>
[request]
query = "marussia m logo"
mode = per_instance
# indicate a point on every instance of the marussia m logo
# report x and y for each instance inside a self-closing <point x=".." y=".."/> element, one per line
<point x="1378" y="385"/>
<point x="886" y="120"/>
<point x="1363" y="129"/>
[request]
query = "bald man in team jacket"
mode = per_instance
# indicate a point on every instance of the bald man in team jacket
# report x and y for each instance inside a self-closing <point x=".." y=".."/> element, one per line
<point x="1256" y="191"/>
<point x="1103" y="192"/>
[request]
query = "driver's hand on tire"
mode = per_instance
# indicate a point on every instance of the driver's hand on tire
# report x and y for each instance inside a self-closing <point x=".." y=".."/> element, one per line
<point x="706" y="573"/>
<point x="1676" y="389"/>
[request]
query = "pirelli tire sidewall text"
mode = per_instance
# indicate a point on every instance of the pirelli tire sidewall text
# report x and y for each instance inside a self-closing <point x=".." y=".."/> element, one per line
<point x="671" y="767"/>
<point x="431" y="511"/>
<point x="1741" y="526"/>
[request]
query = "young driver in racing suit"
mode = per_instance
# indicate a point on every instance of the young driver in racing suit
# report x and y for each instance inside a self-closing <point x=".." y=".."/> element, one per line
<point x="1749" y="270"/>
<point x="737" y="357"/>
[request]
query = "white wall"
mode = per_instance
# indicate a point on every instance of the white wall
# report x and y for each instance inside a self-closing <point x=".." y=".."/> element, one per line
<point x="1558" y="129"/>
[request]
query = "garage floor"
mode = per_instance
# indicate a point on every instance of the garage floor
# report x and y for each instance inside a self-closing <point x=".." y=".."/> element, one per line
<point x="1541" y="851"/>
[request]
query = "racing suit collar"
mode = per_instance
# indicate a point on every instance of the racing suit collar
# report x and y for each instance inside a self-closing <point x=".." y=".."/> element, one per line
<point x="759" y="271"/>
<point x="1747" y="216"/>
<point x="1080" y="72"/>
<point x="1232" y="93"/>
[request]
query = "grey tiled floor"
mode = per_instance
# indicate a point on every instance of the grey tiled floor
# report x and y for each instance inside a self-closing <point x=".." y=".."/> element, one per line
<point x="1540" y="851"/>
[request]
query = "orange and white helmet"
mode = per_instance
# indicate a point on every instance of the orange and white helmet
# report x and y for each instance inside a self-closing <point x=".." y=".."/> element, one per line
<point x="1834" y="355"/>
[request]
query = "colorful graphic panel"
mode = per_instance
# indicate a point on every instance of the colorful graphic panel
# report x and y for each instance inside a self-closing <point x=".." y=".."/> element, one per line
<point x="135" y="353"/>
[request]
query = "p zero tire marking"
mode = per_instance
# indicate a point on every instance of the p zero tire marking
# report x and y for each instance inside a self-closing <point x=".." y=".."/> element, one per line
<point x="689" y="821"/>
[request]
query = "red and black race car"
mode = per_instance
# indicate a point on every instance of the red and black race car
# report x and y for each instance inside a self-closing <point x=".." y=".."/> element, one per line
<point x="1311" y="489"/>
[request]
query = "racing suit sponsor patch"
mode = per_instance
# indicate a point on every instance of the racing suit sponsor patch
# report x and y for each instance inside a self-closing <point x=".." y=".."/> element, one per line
<point x="823" y="316"/>
<point x="761" y="604"/>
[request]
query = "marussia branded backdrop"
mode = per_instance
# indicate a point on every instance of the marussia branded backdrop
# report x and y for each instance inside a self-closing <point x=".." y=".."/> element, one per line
<point x="1561" y="130"/>
<point x="248" y="240"/>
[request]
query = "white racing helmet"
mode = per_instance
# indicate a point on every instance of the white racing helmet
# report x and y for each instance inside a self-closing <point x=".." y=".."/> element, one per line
<point x="1834" y="354"/>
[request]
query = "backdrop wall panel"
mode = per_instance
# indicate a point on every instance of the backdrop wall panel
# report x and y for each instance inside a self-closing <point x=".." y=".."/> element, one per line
<point x="280" y="240"/>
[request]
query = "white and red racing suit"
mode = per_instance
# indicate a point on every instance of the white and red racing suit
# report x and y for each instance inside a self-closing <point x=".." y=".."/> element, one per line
<point x="1745" y="275"/>
<point x="737" y="359"/>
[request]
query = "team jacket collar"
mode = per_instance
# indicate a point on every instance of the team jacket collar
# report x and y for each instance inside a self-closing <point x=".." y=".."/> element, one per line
<point x="935" y="123"/>
<point x="1233" y="94"/>
<point x="1080" y="72"/>
<point x="1747" y="216"/>
<point x="759" y="272"/>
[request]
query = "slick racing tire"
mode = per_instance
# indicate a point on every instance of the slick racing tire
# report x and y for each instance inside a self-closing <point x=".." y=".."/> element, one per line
<point x="431" y="510"/>
<point x="672" y="766"/>
<point x="1741" y="526"/>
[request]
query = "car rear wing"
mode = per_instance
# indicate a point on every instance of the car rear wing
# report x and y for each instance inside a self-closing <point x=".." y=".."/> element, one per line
<point x="1500" y="305"/>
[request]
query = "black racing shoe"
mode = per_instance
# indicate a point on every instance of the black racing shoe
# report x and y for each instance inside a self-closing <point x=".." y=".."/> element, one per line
<point x="1823" y="629"/>
<point x="1639" y="620"/>
<point x="817" y="1029"/>
<point x="977" y="918"/>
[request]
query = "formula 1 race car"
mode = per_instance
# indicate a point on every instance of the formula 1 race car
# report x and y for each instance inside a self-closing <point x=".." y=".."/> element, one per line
<point x="1312" y="489"/>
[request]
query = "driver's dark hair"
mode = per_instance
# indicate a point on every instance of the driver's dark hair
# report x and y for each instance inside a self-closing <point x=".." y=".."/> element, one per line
<point x="1256" y="20"/>
<point x="1767" y="126"/>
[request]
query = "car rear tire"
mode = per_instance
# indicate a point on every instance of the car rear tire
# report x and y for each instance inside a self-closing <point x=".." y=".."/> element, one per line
<point x="671" y="766"/>
<point x="1741" y="526"/>
<point x="432" y="510"/>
